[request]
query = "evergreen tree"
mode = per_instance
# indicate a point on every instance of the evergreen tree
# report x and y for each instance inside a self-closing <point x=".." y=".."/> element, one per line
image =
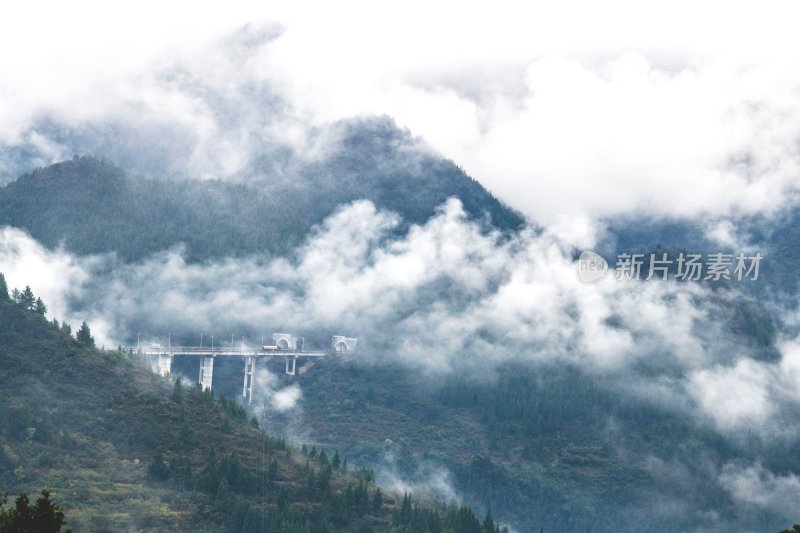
<point x="404" y="517"/>
<point x="158" y="469"/>
<point x="84" y="335"/>
<point x="39" y="307"/>
<point x="210" y="477"/>
<point x="43" y="517"/>
<point x="177" y="390"/>
<point x="272" y="471"/>
<point x="223" y="497"/>
<point x="27" y="299"/>
<point x="488" y="522"/>
<point x="66" y="328"/>
<point x="336" y="462"/>
<point x="4" y="297"/>
<point x="377" y="500"/>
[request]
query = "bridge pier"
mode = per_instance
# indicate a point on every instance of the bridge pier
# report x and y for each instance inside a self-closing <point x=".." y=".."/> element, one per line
<point x="290" y="371"/>
<point x="206" y="372"/>
<point x="249" y="375"/>
<point x="164" y="364"/>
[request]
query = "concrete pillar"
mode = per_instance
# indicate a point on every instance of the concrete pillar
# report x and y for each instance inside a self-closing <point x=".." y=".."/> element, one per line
<point x="249" y="371"/>
<point x="164" y="364"/>
<point x="206" y="371"/>
<point x="290" y="369"/>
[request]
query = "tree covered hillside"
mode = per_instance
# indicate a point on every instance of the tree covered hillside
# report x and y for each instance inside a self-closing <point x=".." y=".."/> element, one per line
<point x="123" y="449"/>
<point x="91" y="206"/>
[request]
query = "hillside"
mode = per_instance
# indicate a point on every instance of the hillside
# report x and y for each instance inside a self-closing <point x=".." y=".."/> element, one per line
<point x="91" y="206"/>
<point x="122" y="449"/>
<point x="545" y="446"/>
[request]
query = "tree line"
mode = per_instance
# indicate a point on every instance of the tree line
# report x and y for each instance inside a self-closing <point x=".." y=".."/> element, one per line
<point x="28" y="301"/>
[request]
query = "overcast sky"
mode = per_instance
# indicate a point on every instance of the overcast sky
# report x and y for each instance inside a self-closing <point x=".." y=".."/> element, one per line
<point x="578" y="108"/>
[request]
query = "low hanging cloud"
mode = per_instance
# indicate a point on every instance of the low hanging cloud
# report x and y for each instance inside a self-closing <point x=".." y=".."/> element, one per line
<point x="756" y="486"/>
<point x="445" y="297"/>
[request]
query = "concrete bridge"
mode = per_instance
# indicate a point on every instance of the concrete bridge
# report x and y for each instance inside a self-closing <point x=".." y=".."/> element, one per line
<point x="284" y="345"/>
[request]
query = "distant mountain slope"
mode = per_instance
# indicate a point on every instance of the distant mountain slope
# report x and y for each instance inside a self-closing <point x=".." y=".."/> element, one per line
<point x="545" y="447"/>
<point x="123" y="450"/>
<point x="91" y="206"/>
<point x="776" y="237"/>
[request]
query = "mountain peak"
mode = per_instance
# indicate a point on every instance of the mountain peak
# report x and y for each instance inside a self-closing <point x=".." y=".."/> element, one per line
<point x="80" y="170"/>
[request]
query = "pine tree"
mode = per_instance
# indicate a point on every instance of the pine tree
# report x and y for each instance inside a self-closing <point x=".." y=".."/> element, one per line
<point x="488" y="522"/>
<point x="158" y="469"/>
<point x="27" y="299"/>
<point x="39" y="307"/>
<point x="336" y="462"/>
<point x="43" y="517"/>
<point x="405" y="510"/>
<point x="210" y="476"/>
<point x="223" y="497"/>
<point x="177" y="390"/>
<point x="272" y="471"/>
<point x="377" y="500"/>
<point x="84" y="335"/>
<point x="4" y="297"/>
<point x="66" y="328"/>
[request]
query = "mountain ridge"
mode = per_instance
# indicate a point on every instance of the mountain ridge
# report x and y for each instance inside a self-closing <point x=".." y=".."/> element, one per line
<point x="92" y="206"/>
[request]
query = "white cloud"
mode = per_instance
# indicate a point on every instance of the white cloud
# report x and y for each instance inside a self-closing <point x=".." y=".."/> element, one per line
<point x="52" y="276"/>
<point x="735" y="397"/>
<point x="755" y="485"/>
<point x="445" y="297"/>
<point x="562" y="110"/>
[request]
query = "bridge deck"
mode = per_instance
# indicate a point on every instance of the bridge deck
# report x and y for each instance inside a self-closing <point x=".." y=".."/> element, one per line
<point x="237" y="352"/>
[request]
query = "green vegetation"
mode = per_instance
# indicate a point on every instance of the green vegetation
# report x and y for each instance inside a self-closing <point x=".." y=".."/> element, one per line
<point x="91" y="206"/>
<point x="123" y="449"/>
<point x="547" y="446"/>
<point x="84" y="335"/>
<point x="42" y="517"/>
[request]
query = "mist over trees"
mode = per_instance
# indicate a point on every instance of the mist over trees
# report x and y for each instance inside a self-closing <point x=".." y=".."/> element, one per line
<point x="92" y="206"/>
<point x="4" y="296"/>
<point x="30" y="302"/>
<point x="253" y="484"/>
<point x="556" y="446"/>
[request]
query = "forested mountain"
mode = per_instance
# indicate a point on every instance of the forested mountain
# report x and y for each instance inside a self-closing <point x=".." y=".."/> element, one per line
<point x="91" y="206"/>
<point x="775" y="237"/>
<point x="540" y="443"/>
<point x="122" y="449"/>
